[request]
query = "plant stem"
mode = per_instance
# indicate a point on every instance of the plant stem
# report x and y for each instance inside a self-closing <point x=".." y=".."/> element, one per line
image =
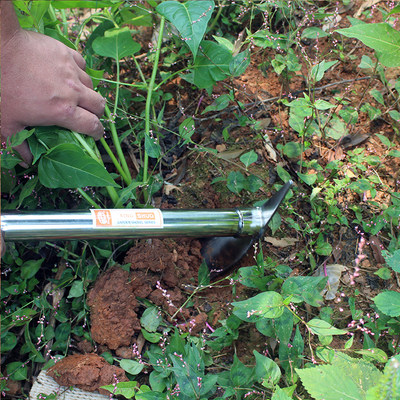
<point x="87" y="198"/>
<point x="114" y="160"/>
<point x="117" y="145"/>
<point x="149" y="95"/>
<point x="111" y="190"/>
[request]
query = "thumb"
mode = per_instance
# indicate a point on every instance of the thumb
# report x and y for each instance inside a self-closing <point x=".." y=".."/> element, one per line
<point x="25" y="153"/>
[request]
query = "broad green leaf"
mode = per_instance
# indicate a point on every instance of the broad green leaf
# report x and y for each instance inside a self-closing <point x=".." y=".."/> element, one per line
<point x="305" y="288"/>
<point x="314" y="32"/>
<point x="151" y="337"/>
<point x="283" y="174"/>
<point x="323" y="328"/>
<point x="152" y="147"/>
<point x="345" y="379"/>
<point x="187" y="129"/>
<point x="220" y="103"/>
<point x="323" y="105"/>
<point x="67" y="166"/>
<point x="236" y="182"/>
<point x="366" y="63"/>
<point x="62" y="4"/>
<point x="292" y="149"/>
<point x="373" y="354"/>
<point x="76" y="289"/>
<point x="211" y="65"/>
<point x="239" y="63"/>
<point x="318" y="71"/>
<point x="309" y="179"/>
<point x="377" y="95"/>
<point x="384" y="39"/>
<point x="323" y="248"/>
<point x="126" y="389"/>
<point x="30" y="268"/>
<point x="17" y="371"/>
<point x="116" y="43"/>
<point x="253" y="183"/>
<point x="395" y="115"/>
<point x="267" y="370"/>
<point x="388" y="302"/>
<point x="249" y="158"/>
<point x="393" y="260"/>
<point x="280" y="394"/>
<point x="203" y="274"/>
<point x="263" y="305"/>
<point x="240" y="374"/>
<point x="383" y="273"/>
<point x="8" y="341"/>
<point x="131" y="366"/>
<point x="151" y="319"/>
<point x="190" y="18"/>
<point x="19" y="137"/>
<point x="27" y="189"/>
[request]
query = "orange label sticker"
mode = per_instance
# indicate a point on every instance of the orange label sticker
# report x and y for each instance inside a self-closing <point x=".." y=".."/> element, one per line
<point x="130" y="218"/>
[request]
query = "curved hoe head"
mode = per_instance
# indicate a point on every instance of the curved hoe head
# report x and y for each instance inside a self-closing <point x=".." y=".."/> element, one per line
<point x="221" y="253"/>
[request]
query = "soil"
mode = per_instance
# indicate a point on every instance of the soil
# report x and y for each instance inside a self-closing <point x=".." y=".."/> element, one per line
<point x="87" y="372"/>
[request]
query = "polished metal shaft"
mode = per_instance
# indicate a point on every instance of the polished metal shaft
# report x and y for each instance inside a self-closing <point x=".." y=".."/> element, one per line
<point x="53" y="225"/>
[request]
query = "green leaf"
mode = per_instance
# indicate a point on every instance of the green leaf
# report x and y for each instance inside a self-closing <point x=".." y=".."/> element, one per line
<point x="17" y="371"/>
<point x="236" y="182"/>
<point x="373" y="354"/>
<point x="377" y="95"/>
<point x="8" y="341"/>
<point x="62" y="4"/>
<point x="220" y="103"/>
<point x="253" y="183"/>
<point x="313" y="33"/>
<point x="204" y="274"/>
<point x="30" y="268"/>
<point x="27" y="189"/>
<point x="131" y="366"/>
<point x="239" y="63"/>
<point x="280" y="394"/>
<point x="267" y="370"/>
<point x="318" y="71"/>
<point x="309" y="179"/>
<point x="240" y="374"/>
<point x="263" y="305"/>
<point x="67" y="166"/>
<point x="249" y="158"/>
<point x="283" y="174"/>
<point x="126" y="389"/>
<point x="150" y="319"/>
<point x="305" y="288"/>
<point x="393" y="260"/>
<point x="292" y="149"/>
<point x="323" y="248"/>
<point x="76" y="289"/>
<point x="211" y="65"/>
<point x="116" y="43"/>
<point x="152" y="147"/>
<point x="345" y="379"/>
<point x="384" y="39"/>
<point x="190" y="18"/>
<point x="323" y="328"/>
<point x="151" y="337"/>
<point x="323" y="105"/>
<point x="388" y="302"/>
<point x="383" y="273"/>
<point x="366" y="63"/>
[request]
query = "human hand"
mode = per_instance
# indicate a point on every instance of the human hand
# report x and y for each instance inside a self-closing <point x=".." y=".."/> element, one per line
<point x="43" y="82"/>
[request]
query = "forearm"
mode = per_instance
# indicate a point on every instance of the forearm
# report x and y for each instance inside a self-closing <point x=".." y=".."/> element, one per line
<point x="9" y="21"/>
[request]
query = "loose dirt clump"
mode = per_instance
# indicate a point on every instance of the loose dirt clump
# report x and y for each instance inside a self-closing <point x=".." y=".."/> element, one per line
<point x="112" y="303"/>
<point x="160" y="271"/>
<point x="87" y="372"/>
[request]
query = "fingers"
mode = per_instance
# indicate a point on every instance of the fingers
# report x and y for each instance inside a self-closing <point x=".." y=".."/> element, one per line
<point x="80" y="61"/>
<point x="85" y="79"/>
<point x="92" y="101"/>
<point x="83" y="121"/>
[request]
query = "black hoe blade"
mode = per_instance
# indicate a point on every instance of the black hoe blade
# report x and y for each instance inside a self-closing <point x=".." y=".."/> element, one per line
<point x="221" y="253"/>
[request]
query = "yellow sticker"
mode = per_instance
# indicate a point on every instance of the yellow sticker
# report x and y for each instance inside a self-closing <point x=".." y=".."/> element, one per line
<point x="129" y="218"/>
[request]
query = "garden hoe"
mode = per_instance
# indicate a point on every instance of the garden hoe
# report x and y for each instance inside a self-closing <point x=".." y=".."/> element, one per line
<point x="231" y="233"/>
